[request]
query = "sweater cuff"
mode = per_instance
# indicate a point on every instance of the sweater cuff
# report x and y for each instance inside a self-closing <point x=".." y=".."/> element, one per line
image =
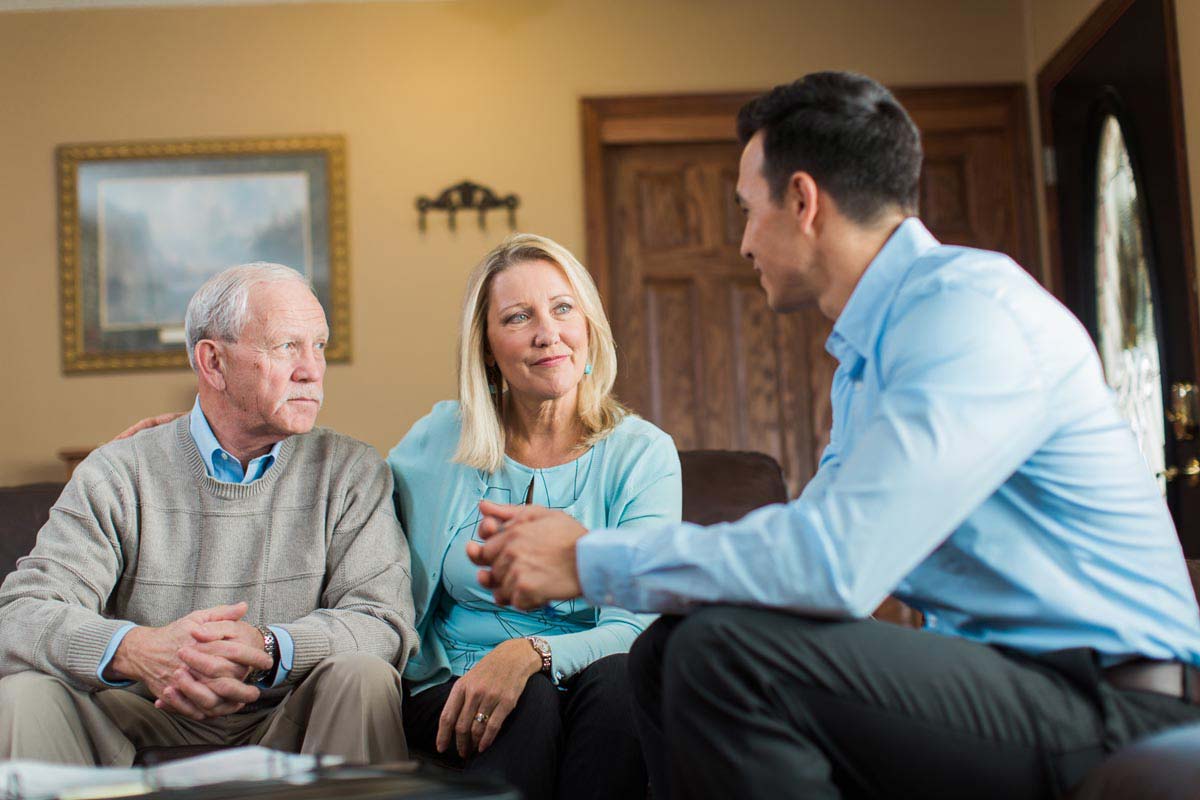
<point x="310" y="646"/>
<point x="86" y="647"/>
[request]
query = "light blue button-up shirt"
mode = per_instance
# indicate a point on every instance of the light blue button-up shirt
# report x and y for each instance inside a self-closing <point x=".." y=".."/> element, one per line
<point x="977" y="468"/>
<point x="222" y="466"/>
<point x="219" y="464"/>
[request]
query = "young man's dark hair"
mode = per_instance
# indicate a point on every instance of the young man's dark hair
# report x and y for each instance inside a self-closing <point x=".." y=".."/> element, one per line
<point x="846" y="131"/>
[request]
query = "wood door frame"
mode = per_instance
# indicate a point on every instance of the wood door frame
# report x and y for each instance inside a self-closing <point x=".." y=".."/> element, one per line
<point x="1085" y="37"/>
<point x="709" y="117"/>
<point x="642" y="119"/>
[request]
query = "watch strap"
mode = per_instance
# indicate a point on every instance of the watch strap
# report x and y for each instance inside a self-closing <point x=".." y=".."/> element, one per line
<point x="542" y="648"/>
<point x="271" y="648"/>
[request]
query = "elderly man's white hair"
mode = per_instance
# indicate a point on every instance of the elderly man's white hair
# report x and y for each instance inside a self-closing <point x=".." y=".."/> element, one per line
<point x="219" y="308"/>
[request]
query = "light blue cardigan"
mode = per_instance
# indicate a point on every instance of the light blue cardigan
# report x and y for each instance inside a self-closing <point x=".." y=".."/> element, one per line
<point x="634" y="480"/>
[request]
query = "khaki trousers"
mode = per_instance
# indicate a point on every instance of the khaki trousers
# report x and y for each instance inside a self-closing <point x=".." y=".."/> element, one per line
<point x="348" y="706"/>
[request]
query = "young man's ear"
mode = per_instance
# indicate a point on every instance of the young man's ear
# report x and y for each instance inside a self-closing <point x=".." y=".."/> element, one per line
<point x="210" y="363"/>
<point x="803" y="199"/>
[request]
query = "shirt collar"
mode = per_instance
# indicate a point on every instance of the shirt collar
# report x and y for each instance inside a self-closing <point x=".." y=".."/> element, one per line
<point x="210" y="448"/>
<point x="858" y="326"/>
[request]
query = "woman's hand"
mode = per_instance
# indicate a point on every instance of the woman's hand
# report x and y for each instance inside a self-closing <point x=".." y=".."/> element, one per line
<point x="492" y="687"/>
<point x="149" y="422"/>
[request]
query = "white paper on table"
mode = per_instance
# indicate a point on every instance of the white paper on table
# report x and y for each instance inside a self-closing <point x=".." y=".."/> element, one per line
<point x="24" y="780"/>
<point x="37" y="780"/>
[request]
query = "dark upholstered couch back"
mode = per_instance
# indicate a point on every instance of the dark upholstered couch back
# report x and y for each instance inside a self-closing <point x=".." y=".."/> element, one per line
<point x="23" y="511"/>
<point x="725" y="485"/>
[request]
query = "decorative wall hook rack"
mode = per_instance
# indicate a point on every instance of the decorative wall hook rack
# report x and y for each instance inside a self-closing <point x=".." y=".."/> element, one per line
<point x="469" y="196"/>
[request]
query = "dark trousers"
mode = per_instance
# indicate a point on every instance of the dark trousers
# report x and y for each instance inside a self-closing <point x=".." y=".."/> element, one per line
<point x="750" y="703"/>
<point x="578" y="743"/>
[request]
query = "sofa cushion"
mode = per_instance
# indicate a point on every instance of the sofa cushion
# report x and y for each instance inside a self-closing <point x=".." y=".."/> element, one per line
<point x="23" y="511"/>
<point x="1165" y="766"/>
<point x="725" y="485"/>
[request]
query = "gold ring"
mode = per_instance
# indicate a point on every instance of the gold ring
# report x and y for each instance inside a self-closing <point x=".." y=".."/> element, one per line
<point x="481" y="717"/>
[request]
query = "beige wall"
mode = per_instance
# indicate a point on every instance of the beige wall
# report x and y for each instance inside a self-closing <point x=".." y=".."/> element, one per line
<point x="426" y="94"/>
<point x="1053" y="22"/>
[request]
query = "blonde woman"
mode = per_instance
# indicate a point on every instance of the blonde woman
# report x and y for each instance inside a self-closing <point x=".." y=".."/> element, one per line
<point x="539" y="698"/>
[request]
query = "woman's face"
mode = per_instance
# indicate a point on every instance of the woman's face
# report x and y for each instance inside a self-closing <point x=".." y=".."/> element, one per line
<point x="536" y="333"/>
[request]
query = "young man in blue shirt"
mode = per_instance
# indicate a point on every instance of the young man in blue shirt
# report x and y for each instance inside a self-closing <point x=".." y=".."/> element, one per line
<point x="977" y="468"/>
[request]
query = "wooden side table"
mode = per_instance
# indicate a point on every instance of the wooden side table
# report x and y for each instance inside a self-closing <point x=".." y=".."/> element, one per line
<point x="71" y="456"/>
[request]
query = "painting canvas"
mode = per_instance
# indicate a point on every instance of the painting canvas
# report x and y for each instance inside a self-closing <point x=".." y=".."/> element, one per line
<point x="143" y="226"/>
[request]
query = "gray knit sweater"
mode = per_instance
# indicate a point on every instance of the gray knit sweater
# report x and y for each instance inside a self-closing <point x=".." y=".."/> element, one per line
<point x="142" y="534"/>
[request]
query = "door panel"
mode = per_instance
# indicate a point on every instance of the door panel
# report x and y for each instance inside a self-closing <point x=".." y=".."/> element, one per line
<point x="700" y="353"/>
<point x="699" y="350"/>
<point x="719" y="363"/>
<point x="976" y="187"/>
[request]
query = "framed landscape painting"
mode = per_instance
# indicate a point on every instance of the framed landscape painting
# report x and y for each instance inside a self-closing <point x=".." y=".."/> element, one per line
<point x="142" y="225"/>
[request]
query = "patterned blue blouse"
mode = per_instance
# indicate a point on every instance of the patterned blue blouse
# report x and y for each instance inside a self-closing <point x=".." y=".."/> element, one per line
<point x="629" y="478"/>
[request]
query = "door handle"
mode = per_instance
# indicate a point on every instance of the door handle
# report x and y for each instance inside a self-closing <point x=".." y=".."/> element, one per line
<point x="1190" y="470"/>
<point x="1182" y="413"/>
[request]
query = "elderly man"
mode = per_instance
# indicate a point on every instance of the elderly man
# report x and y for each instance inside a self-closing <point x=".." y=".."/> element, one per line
<point x="234" y="577"/>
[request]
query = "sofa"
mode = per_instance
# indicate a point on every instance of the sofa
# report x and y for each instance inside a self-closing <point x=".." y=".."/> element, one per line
<point x="719" y="486"/>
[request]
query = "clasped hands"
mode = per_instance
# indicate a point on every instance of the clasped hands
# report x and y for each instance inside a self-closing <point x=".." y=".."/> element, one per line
<point x="197" y="665"/>
<point x="528" y="553"/>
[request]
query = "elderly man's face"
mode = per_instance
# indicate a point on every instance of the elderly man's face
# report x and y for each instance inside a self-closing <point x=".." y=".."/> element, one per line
<point x="275" y="369"/>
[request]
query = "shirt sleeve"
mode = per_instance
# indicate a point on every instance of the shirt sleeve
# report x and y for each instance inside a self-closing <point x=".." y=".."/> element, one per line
<point x="827" y="467"/>
<point x="650" y="494"/>
<point x="962" y="406"/>
<point x="287" y="649"/>
<point x="111" y="651"/>
<point x="616" y="628"/>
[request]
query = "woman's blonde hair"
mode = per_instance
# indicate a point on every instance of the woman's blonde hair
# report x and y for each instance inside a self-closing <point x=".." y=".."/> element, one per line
<point x="481" y="444"/>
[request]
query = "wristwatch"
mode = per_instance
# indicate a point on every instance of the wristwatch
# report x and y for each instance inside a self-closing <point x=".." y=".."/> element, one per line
<point x="271" y="648"/>
<point x="542" y="648"/>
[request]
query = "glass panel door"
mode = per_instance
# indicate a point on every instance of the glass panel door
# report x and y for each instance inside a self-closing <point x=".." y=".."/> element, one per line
<point x="1127" y="332"/>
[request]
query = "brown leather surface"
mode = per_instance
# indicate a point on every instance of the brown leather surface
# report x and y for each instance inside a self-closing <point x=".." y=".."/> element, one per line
<point x="23" y="511"/>
<point x="1165" y="766"/>
<point x="725" y="485"/>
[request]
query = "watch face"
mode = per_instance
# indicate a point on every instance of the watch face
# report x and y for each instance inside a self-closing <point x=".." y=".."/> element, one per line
<point x="540" y="644"/>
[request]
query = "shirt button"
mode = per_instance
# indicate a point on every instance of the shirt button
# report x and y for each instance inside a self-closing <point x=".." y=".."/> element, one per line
<point x="608" y="599"/>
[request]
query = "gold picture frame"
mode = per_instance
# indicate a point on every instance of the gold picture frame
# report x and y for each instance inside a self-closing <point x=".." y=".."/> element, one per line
<point x="142" y="224"/>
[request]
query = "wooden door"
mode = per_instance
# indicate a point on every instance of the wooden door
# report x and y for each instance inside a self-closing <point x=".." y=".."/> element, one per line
<point x="1119" y="76"/>
<point x="701" y="355"/>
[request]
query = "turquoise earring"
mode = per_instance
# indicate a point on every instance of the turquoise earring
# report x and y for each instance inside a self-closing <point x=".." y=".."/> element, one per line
<point x="587" y="369"/>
